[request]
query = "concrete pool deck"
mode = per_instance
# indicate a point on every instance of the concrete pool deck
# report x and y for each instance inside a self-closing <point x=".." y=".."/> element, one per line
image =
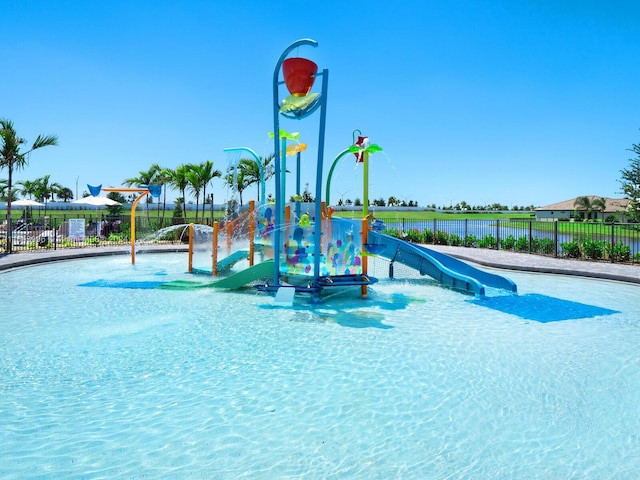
<point x="480" y="256"/>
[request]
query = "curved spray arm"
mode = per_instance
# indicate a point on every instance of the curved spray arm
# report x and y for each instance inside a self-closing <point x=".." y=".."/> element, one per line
<point x="257" y="159"/>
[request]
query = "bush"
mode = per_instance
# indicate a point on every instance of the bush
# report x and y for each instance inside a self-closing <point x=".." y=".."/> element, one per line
<point x="543" y="245"/>
<point x="413" y="236"/>
<point x="522" y="244"/>
<point x="571" y="249"/>
<point x="427" y="236"/>
<point x="455" y="240"/>
<point x="488" y="241"/>
<point x="508" y="243"/>
<point x="441" y="238"/>
<point x="470" y="241"/>
<point x="392" y="232"/>
<point x="619" y="252"/>
<point x="593" y="249"/>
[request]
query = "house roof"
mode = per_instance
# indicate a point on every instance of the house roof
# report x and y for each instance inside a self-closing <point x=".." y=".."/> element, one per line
<point x="612" y="204"/>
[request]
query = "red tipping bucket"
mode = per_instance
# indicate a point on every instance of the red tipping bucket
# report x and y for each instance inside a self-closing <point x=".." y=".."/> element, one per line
<point x="299" y="75"/>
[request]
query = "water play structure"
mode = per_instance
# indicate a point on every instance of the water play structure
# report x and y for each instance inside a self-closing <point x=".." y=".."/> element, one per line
<point x="301" y="248"/>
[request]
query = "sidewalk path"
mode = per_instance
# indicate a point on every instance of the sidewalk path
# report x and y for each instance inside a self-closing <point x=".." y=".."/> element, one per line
<point x="537" y="263"/>
<point x="481" y="256"/>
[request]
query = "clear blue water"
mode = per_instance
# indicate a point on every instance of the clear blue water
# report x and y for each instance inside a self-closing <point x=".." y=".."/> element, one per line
<point x="416" y="381"/>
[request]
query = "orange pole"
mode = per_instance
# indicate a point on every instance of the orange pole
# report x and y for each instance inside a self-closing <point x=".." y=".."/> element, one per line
<point x="214" y="249"/>
<point x="229" y="233"/>
<point x="190" y="267"/>
<point x="365" y="258"/>
<point x="252" y="231"/>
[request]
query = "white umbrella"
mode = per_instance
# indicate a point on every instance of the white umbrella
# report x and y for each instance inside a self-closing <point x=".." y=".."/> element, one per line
<point x="25" y="202"/>
<point x="96" y="201"/>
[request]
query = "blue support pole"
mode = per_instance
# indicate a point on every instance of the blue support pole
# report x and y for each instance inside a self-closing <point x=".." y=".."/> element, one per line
<point x="279" y="220"/>
<point x="318" y="220"/>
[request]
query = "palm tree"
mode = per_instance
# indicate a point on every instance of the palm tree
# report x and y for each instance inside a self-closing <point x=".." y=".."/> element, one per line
<point x="65" y="194"/>
<point x="235" y="178"/>
<point x="252" y="172"/>
<point x="193" y="181"/>
<point x="143" y="178"/>
<point x="160" y="178"/>
<point x="44" y="190"/>
<point x="29" y="188"/>
<point x="11" y="158"/>
<point x="177" y="178"/>
<point x="205" y="174"/>
<point x="599" y="205"/>
<point x="588" y="205"/>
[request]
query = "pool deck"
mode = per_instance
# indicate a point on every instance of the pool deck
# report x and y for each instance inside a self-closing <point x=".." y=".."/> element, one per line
<point x="479" y="256"/>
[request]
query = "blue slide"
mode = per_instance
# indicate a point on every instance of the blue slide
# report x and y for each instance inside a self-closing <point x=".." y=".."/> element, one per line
<point x="446" y="269"/>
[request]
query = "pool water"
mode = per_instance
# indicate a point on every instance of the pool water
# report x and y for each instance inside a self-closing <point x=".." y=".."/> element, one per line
<point x="416" y="381"/>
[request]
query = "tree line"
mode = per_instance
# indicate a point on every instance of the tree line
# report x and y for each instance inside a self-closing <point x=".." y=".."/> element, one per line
<point x="195" y="178"/>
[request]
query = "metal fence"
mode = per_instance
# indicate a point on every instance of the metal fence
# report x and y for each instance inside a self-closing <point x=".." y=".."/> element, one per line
<point x="95" y="230"/>
<point x="596" y="241"/>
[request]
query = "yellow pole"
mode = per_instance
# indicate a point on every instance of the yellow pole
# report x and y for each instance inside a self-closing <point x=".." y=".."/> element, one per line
<point x="365" y="258"/>
<point x="133" y="224"/>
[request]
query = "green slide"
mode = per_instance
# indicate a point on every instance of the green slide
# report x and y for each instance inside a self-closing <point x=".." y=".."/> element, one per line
<point x="236" y="280"/>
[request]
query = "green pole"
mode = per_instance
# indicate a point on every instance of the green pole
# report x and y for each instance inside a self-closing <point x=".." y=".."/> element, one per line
<point x="365" y="187"/>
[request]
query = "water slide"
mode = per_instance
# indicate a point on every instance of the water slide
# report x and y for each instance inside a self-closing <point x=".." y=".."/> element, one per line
<point x="444" y="268"/>
<point x="237" y="280"/>
<point x="226" y="263"/>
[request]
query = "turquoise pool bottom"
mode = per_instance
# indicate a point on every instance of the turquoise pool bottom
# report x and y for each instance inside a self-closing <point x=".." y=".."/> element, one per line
<point x="415" y="381"/>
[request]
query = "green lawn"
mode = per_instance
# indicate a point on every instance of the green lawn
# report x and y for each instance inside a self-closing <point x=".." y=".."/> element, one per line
<point x="431" y="215"/>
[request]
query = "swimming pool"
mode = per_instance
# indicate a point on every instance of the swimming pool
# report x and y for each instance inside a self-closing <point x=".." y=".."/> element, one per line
<point x="417" y="381"/>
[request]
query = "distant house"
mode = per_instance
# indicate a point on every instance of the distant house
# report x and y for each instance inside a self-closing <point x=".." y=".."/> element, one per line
<point x="566" y="210"/>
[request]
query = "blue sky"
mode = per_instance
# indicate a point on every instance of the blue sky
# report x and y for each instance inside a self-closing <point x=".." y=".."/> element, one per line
<point x="528" y="102"/>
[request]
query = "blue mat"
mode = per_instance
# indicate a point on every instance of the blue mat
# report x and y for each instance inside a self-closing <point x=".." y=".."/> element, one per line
<point x="541" y="308"/>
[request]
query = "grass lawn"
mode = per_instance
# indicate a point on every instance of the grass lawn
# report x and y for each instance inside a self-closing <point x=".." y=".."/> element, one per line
<point x="430" y="215"/>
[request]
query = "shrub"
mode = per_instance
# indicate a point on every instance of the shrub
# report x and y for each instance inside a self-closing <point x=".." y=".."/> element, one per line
<point x="455" y="240"/>
<point x="545" y="246"/>
<point x="522" y="244"/>
<point x="593" y="249"/>
<point x="392" y="232"/>
<point x="413" y="236"/>
<point x="470" y="241"/>
<point x="619" y="252"/>
<point x="508" y="243"/>
<point x="427" y="236"/>
<point x="571" y="249"/>
<point x="441" y="238"/>
<point x="488" y="241"/>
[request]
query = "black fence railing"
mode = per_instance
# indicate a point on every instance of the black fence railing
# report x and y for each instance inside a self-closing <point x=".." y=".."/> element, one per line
<point x="78" y="231"/>
<point x="614" y="242"/>
<point x="597" y="241"/>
